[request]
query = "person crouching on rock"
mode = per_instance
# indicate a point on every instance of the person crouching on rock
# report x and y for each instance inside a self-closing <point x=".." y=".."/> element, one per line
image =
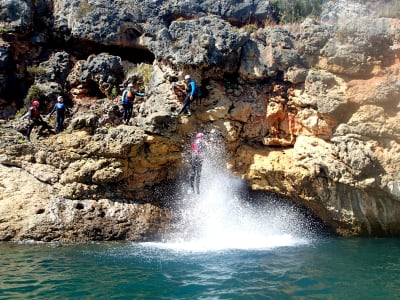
<point x="128" y="97"/>
<point x="60" y="109"/>
<point x="35" y="119"/>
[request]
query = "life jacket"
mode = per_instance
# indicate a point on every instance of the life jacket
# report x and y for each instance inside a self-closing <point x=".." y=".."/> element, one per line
<point x="35" y="113"/>
<point x="197" y="147"/>
<point x="127" y="96"/>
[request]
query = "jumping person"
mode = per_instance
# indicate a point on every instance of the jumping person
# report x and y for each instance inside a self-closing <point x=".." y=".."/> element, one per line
<point x="35" y="119"/>
<point x="128" y="97"/>
<point x="190" y="94"/>
<point x="60" y="109"/>
<point x="196" y="162"/>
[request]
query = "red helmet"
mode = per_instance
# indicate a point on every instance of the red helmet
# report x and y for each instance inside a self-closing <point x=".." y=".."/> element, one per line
<point x="199" y="135"/>
<point x="35" y="103"/>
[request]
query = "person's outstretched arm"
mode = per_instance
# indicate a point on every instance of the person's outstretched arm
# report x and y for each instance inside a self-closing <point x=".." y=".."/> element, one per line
<point x="52" y="111"/>
<point x="140" y="94"/>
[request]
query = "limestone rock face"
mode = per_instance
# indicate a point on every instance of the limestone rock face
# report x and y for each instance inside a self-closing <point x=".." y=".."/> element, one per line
<point x="35" y="211"/>
<point x="268" y="53"/>
<point x="104" y="70"/>
<point x="310" y="112"/>
<point x="103" y="177"/>
<point x="212" y="42"/>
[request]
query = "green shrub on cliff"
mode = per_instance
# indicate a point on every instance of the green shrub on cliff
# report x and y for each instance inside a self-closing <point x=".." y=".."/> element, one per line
<point x="142" y="73"/>
<point x="36" y="71"/>
<point x="290" y="11"/>
<point x="146" y="71"/>
<point x="34" y="92"/>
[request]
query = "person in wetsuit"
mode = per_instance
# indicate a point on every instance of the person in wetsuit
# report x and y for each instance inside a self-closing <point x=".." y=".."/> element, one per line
<point x="60" y="109"/>
<point x="190" y="94"/>
<point x="196" y="162"/>
<point x="35" y="119"/>
<point x="128" y="97"/>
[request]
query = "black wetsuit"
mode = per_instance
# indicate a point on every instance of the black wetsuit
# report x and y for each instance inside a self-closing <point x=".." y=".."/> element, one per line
<point x="196" y="163"/>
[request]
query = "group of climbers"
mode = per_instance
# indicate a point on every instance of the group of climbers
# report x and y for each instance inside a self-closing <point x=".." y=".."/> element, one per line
<point x="35" y="118"/>
<point x="127" y="98"/>
<point x="198" y="144"/>
<point x="191" y="91"/>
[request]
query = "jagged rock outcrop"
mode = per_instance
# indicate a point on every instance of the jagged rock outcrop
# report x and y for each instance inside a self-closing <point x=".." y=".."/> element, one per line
<point x="309" y="112"/>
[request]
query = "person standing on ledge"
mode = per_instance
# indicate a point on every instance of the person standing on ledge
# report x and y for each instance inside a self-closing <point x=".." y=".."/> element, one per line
<point x="60" y="109"/>
<point x="196" y="162"/>
<point x="190" y="94"/>
<point x="128" y="97"/>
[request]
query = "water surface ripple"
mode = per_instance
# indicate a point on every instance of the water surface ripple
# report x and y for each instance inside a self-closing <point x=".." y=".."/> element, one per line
<point x="329" y="268"/>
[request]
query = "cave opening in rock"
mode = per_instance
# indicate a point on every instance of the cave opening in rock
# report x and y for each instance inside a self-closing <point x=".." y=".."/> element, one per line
<point x="262" y="199"/>
<point x="230" y="80"/>
<point x="93" y="90"/>
<point x="82" y="49"/>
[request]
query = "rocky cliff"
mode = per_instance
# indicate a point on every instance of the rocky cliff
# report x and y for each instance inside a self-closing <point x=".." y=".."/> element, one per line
<point x="309" y="111"/>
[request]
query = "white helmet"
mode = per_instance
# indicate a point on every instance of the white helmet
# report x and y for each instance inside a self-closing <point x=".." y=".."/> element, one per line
<point x="60" y="99"/>
<point x="130" y="85"/>
<point x="187" y="77"/>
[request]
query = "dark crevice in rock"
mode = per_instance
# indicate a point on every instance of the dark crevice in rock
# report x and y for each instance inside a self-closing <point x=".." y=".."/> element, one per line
<point x="79" y="206"/>
<point x="204" y="82"/>
<point x="93" y="89"/>
<point x="40" y="211"/>
<point x="81" y="49"/>
<point x="231" y="80"/>
<point x="313" y="223"/>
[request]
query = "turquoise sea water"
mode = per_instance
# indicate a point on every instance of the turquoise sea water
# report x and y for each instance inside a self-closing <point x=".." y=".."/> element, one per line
<point x="325" y="268"/>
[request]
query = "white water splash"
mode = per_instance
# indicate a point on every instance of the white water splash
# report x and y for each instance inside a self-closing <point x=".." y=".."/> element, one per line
<point x="220" y="219"/>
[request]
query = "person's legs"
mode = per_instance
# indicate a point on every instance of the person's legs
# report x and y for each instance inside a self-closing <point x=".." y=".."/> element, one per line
<point x="187" y="108"/>
<point x="125" y="113"/>
<point x="192" y="175"/>
<point x="197" y="181"/>
<point x="29" y="129"/>
<point x="198" y="175"/>
<point x="43" y="125"/>
<point x="186" y="105"/>
<point x="188" y="111"/>
<point x="129" y="112"/>
<point x="59" y="121"/>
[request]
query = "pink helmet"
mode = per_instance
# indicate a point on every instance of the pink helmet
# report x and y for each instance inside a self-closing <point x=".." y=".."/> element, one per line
<point x="35" y="103"/>
<point x="199" y="135"/>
